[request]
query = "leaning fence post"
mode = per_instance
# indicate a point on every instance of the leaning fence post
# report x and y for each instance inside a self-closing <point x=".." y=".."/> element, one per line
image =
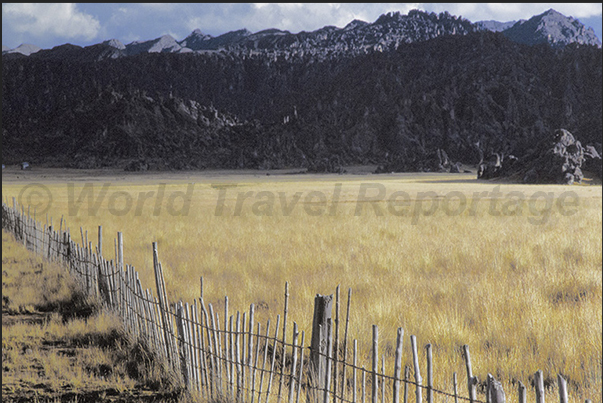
<point x="539" y="386"/>
<point x="415" y="356"/>
<point x="471" y="381"/>
<point x="562" y="389"/>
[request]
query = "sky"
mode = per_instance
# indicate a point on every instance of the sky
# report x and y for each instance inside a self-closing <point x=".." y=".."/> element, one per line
<point x="51" y="24"/>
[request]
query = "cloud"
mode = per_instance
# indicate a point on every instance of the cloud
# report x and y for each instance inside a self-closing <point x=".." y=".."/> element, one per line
<point x="57" y="19"/>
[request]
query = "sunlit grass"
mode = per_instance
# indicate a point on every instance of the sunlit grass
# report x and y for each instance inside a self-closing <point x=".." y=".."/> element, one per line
<point x="517" y="282"/>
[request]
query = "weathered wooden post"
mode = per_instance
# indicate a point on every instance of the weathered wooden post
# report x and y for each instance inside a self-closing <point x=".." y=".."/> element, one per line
<point x="471" y="380"/>
<point x="521" y="393"/>
<point x="323" y="306"/>
<point x="539" y="386"/>
<point x="429" y="373"/>
<point x="562" y="389"/>
<point x="415" y="360"/>
<point x="455" y="387"/>
<point x="398" y="365"/>
<point x="375" y="379"/>
<point x="495" y="391"/>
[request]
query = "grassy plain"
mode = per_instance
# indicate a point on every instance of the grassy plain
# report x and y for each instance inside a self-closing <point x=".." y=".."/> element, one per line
<point x="514" y="271"/>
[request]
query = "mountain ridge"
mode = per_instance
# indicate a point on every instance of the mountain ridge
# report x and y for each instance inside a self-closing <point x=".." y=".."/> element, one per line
<point x="388" y="30"/>
<point x="276" y="99"/>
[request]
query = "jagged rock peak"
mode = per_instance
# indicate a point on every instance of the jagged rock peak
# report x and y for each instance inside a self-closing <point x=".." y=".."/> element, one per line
<point x="115" y="43"/>
<point x="25" y="49"/>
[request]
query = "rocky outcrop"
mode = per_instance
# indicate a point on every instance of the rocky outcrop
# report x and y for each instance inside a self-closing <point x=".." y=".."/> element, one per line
<point x="559" y="160"/>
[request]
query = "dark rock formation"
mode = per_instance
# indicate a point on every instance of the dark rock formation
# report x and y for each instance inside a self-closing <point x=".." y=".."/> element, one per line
<point x="559" y="160"/>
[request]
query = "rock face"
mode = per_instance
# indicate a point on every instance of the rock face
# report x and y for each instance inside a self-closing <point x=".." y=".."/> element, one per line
<point x="553" y="28"/>
<point x="558" y="160"/>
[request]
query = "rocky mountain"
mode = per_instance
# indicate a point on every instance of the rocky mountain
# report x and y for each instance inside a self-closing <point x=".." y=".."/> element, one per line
<point x="387" y="32"/>
<point x="394" y="95"/>
<point x="553" y="28"/>
<point x="24" y="49"/>
<point x="494" y="26"/>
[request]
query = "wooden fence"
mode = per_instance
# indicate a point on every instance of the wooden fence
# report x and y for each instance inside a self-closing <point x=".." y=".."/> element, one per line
<point x="233" y="358"/>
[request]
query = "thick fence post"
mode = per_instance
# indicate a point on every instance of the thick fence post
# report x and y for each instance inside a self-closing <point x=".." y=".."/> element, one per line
<point x="539" y="386"/>
<point x="323" y="305"/>
<point x="495" y="390"/>
<point x="562" y="389"/>
<point x="521" y="393"/>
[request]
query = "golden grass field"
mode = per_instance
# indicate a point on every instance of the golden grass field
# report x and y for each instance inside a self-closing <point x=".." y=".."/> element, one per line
<point x="514" y="271"/>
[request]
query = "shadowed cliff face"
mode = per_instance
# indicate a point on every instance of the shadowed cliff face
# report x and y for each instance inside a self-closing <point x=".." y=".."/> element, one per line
<point x="297" y="109"/>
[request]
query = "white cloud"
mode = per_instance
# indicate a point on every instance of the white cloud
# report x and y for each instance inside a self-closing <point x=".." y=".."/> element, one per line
<point x="58" y="19"/>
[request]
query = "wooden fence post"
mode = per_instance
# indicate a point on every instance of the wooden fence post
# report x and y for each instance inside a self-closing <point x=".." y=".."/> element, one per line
<point x="539" y="386"/>
<point x="455" y="388"/>
<point x="328" y="359"/>
<point x="345" y="346"/>
<point x="495" y="391"/>
<point x="471" y="380"/>
<point x="562" y="389"/>
<point x="398" y="365"/>
<point x="415" y="356"/>
<point x="521" y="392"/>
<point x="406" y="376"/>
<point x="429" y="373"/>
<point x="375" y="388"/>
<point x="323" y="305"/>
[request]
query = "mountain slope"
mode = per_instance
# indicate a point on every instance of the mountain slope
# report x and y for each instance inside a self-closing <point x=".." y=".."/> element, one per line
<point x="449" y="93"/>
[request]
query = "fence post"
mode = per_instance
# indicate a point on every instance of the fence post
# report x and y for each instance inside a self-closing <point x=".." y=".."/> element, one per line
<point x="182" y="343"/>
<point x="415" y="356"/>
<point x="375" y="389"/>
<point x="454" y="384"/>
<point x="562" y="389"/>
<point x="539" y="386"/>
<point x="406" y="376"/>
<point x="495" y="391"/>
<point x="471" y="380"/>
<point x="323" y="305"/>
<point x="398" y="365"/>
<point x="521" y="391"/>
<point x="429" y="373"/>
<point x="328" y="359"/>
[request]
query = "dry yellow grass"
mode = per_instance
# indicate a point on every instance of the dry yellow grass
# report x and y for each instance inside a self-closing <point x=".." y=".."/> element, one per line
<point x="519" y="281"/>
